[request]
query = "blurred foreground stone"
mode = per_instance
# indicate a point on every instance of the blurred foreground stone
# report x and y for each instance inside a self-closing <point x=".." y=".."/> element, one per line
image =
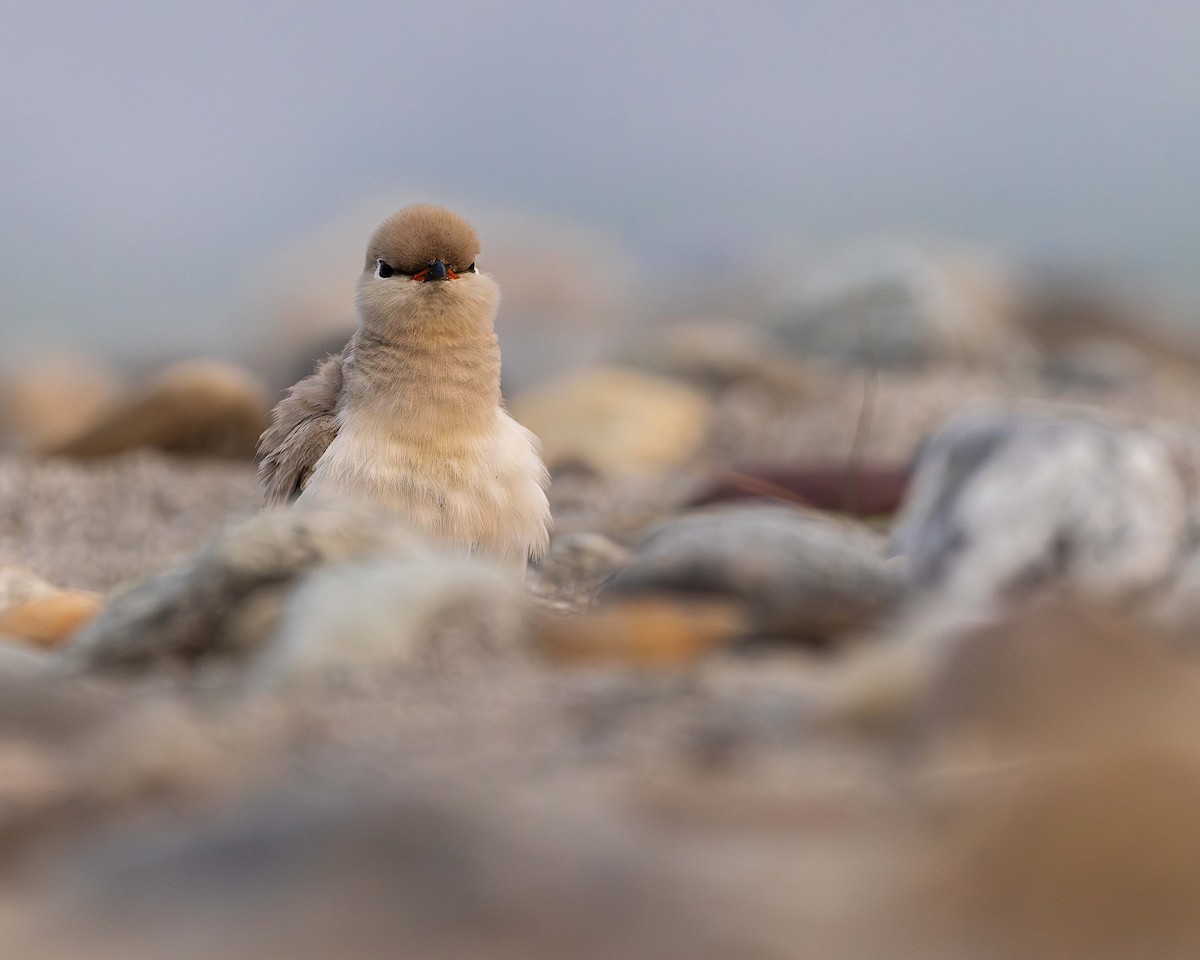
<point x="1044" y="807"/>
<point x="35" y="611"/>
<point x="410" y="610"/>
<point x="307" y="874"/>
<point x="51" y="620"/>
<point x="1065" y="743"/>
<point x="218" y="605"/>
<point x="643" y="631"/>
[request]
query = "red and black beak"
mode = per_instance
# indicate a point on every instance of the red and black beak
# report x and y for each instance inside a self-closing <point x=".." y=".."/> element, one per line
<point x="436" y="271"/>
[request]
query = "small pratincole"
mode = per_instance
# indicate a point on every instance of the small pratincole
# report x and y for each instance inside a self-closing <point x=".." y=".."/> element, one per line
<point x="409" y="415"/>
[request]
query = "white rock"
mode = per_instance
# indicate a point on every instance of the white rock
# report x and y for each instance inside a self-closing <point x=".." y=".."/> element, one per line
<point x="1002" y="504"/>
<point x="365" y="618"/>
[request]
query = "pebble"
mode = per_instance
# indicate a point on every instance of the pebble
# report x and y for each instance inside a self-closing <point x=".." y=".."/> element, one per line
<point x="53" y="398"/>
<point x="799" y="575"/>
<point x="616" y="420"/>
<point x="643" y="632"/>
<point x="194" y="408"/>
<point x="186" y="614"/>
<point x="1003" y="504"/>
<point x="898" y="303"/>
<point x="34" y="611"/>
<point x="567" y="577"/>
<point x="52" y="619"/>
<point x="369" y="618"/>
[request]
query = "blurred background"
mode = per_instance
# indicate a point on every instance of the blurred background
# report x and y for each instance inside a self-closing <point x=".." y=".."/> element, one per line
<point x="182" y="179"/>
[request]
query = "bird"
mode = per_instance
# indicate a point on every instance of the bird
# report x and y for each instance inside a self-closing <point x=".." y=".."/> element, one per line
<point x="409" y="415"/>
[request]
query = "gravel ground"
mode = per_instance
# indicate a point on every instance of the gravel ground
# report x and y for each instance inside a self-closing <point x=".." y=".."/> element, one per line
<point x="715" y="775"/>
<point x="99" y="524"/>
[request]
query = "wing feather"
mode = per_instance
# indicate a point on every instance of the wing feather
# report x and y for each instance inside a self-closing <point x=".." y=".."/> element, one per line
<point x="303" y="425"/>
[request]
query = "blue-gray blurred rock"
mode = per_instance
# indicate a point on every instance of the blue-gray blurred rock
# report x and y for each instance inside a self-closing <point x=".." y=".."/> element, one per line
<point x="901" y="304"/>
<point x="199" y="611"/>
<point x="799" y="575"/>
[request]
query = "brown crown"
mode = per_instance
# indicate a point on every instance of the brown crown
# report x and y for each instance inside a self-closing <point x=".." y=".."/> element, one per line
<point x="411" y="239"/>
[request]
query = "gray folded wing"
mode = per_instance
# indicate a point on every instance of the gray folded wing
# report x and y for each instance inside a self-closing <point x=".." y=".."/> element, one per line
<point x="304" y="423"/>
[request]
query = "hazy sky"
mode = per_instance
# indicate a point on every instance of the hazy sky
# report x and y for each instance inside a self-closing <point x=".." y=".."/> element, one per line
<point x="151" y="151"/>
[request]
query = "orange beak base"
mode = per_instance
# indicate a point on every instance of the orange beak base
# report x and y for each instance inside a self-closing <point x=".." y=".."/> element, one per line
<point x="435" y="271"/>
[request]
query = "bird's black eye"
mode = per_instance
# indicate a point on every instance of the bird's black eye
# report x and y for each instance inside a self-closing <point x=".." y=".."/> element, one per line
<point x="469" y="268"/>
<point x="383" y="270"/>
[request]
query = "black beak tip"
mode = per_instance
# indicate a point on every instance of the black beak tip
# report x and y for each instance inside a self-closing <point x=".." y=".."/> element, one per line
<point x="437" y="271"/>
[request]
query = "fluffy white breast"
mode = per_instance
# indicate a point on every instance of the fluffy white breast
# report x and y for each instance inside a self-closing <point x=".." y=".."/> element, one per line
<point x="480" y="488"/>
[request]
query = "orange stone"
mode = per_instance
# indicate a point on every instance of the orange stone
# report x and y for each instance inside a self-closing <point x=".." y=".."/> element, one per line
<point x="50" y="620"/>
<point x="645" y="632"/>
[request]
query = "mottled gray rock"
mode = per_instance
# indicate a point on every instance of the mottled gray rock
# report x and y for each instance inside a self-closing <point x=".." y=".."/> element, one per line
<point x="1003" y="503"/>
<point x="568" y="576"/>
<point x="800" y="575"/>
<point x="188" y="613"/>
<point x="356" y="619"/>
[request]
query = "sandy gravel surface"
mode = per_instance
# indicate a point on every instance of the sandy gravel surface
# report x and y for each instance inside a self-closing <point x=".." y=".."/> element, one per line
<point x="96" y="525"/>
<point x="716" y="776"/>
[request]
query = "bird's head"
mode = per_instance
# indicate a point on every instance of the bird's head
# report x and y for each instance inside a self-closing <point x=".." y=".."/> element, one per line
<point x="420" y="267"/>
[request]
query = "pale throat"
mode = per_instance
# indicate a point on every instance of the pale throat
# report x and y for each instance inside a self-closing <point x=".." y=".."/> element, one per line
<point x="427" y="377"/>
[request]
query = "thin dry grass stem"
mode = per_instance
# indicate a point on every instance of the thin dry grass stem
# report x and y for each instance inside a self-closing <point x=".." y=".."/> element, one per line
<point x="866" y="415"/>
